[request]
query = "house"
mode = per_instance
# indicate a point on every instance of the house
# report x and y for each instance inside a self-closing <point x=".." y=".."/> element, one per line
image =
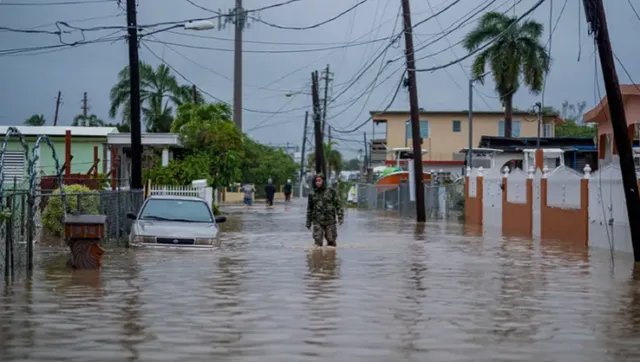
<point x="445" y="133"/>
<point x="599" y="115"/>
<point x="577" y="151"/>
<point x="84" y="141"/>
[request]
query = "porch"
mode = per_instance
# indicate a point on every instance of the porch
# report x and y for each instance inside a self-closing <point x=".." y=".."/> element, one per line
<point x="118" y="155"/>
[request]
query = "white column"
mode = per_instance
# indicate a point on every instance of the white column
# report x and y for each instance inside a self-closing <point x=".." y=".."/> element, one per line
<point x="165" y="157"/>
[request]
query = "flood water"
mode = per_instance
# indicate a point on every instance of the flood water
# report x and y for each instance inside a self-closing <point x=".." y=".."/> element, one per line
<point x="389" y="292"/>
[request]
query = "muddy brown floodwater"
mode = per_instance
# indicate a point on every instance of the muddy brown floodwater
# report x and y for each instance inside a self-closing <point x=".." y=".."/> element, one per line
<point x="389" y="292"/>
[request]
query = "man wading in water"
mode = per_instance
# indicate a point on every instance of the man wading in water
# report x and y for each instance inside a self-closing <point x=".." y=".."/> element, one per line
<point x="323" y="208"/>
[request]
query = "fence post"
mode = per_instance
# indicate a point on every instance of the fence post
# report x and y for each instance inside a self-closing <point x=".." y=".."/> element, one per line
<point x="8" y="240"/>
<point x="208" y="195"/>
<point x="30" y="227"/>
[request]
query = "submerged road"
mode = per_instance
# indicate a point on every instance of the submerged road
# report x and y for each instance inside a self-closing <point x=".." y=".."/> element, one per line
<point x="389" y="292"/>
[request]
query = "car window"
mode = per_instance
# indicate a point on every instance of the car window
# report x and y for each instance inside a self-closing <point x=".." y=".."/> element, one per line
<point x="181" y="210"/>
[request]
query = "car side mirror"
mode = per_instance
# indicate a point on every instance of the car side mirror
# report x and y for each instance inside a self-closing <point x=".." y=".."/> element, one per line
<point x="132" y="215"/>
<point x="220" y="219"/>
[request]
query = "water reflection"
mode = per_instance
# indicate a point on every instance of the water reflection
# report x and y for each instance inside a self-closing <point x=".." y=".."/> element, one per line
<point x="322" y="299"/>
<point x="133" y="329"/>
<point x="411" y="314"/>
<point x="391" y="291"/>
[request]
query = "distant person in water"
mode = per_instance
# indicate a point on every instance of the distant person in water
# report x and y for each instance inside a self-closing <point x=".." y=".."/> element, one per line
<point x="270" y="192"/>
<point x="287" y="191"/>
<point x="324" y="212"/>
<point x="248" y="190"/>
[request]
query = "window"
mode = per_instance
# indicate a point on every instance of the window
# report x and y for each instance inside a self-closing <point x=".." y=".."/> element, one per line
<point x="176" y="210"/>
<point x="457" y="125"/>
<point x="515" y="128"/>
<point x="424" y="129"/>
<point x="548" y="130"/>
<point x="14" y="168"/>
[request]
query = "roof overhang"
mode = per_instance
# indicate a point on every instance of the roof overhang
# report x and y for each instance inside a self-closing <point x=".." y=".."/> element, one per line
<point x="148" y="139"/>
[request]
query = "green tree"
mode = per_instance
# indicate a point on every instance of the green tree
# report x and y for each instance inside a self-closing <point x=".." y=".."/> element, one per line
<point x="121" y="127"/>
<point x="35" y="120"/>
<point x="213" y="147"/>
<point x="573" y="126"/>
<point x="516" y="53"/>
<point x="87" y="121"/>
<point x="332" y="158"/>
<point x="263" y="162"/>
<point x="352" y="165"/>
<point x="159" y="94"/>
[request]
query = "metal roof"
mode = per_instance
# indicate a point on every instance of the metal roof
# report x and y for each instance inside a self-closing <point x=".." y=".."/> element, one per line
<point x="61" y="130"/>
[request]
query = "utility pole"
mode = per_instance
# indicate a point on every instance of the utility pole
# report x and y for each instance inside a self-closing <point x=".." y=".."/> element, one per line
<point x="317" y="126"/>
<point x="416" y="137"/>
<point x="239" y="22"/>
<point x="470" y="146"/>
<point x="85" y="109"/>
<point x="329" y="145"/>
<point x="134" y="79"/>
<point x="365" y="163"/>
<point x="539" y="117"/>
<point x="327" y="79"/>
<point x="304" y="145"/>
<point x="194" y="94"/>
<point x="55" y="116"/>
<point x="594" y="11"/>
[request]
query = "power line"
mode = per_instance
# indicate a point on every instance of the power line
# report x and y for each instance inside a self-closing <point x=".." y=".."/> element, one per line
<point x="470" y="54"/>
<point x="393" y="98"/>
<point x="56" y="3"/>
<point x="310" y="26"/>
<point x="57" y="46"/>
<point x="274" y="51"/>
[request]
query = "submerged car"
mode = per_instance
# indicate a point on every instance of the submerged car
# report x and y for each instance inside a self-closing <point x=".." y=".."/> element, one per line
<point x="175" y="221"/>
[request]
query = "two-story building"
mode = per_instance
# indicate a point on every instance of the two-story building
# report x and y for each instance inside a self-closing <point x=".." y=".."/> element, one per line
<point x="445" y="133"/>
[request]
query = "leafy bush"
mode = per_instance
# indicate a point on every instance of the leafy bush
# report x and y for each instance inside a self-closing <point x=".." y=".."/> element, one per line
<point x="53" y="216"/>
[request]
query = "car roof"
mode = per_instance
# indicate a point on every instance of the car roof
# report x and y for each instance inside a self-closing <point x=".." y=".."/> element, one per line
<point x="175" y="197"/>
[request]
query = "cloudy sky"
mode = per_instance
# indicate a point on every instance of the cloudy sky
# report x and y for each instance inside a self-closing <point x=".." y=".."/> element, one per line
<point x="279" y="61"/>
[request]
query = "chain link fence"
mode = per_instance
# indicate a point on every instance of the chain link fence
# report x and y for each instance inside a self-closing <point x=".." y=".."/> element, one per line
<point x="442" y="201"/>
<point x="44" y="224"/>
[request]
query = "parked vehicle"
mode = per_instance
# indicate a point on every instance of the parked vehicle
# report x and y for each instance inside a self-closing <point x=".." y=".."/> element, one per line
<point x="175" y="222"/>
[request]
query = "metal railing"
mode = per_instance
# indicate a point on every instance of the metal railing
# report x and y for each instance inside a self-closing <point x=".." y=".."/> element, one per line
<point x="442" y="201"/>
<point x="47" y="228"/>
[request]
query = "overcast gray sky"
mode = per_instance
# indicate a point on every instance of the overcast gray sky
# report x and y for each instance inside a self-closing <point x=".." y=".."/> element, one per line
<point x="30" y="81"/>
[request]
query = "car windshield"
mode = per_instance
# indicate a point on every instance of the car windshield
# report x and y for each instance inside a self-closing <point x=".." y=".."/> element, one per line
<point x="176" y="210"/>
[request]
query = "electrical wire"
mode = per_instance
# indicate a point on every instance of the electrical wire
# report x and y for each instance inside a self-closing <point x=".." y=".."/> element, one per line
<point x="272" y="51"/>
<point x="317" y="25"/>
<point x="57" y="46"/>
<point x="209" y="94"/>
<point x="393" y="98"/>
<point x="56" y="3"/>
<point x="470" y="54"/>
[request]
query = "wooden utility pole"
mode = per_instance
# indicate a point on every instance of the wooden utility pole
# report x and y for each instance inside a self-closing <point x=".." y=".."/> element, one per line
<point x="134" y="79"/>
<point x="85" y="109"/>
<point x="304" y="145"/>
<point x="239" y="22"/>
<point x="317" y="126"/>
<point x="194" y="94"/>
<point x="327" y="79"/>
<point x="416" y="137"/>
<point x="594" y="11"/>
<point x="55" y="116"/>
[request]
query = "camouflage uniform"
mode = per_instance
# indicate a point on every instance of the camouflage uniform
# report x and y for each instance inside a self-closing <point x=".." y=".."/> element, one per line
<point x="323" y="208"/>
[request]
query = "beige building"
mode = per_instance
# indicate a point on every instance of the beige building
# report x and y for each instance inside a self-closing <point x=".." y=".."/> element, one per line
<point x="445" y="133"/>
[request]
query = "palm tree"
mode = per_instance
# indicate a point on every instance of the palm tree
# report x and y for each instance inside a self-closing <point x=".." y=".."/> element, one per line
<point x="158" y="89"/>
<point x="516" y="51"/>
<point x="332" y="158"/>
<point x="36" y="120"/>
<point x="83" y="120"/>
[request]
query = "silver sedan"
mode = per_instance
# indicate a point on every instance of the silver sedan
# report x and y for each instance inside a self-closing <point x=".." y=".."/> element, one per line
<point x="176" y="222"/>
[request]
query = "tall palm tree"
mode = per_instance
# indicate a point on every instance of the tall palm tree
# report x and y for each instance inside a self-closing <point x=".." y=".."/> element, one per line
<point x="332" y="158"/>
<point x="158" y="89"/>
<point x="91" y="120"/>
<point x="35" y="120"/>
<point x="518" y="51"/>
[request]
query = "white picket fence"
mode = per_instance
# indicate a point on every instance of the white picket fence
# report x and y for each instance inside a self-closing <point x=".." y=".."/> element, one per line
<point x="205" y="193"/>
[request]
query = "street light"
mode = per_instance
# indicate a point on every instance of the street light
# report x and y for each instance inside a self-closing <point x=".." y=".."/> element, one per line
<point x="199" y="25"/>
